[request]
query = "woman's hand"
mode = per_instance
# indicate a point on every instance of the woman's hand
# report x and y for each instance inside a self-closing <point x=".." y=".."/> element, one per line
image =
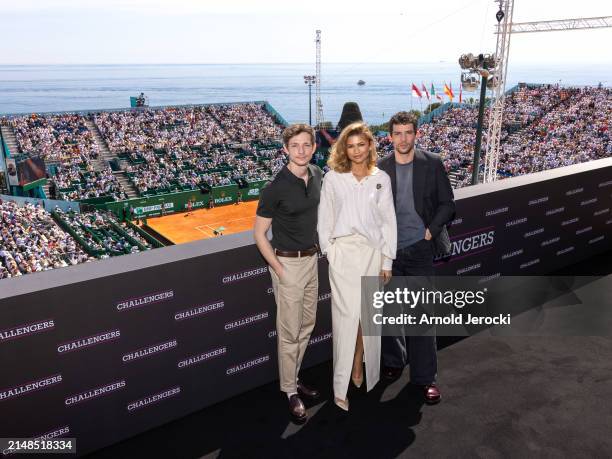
<point x="386" y="276"/>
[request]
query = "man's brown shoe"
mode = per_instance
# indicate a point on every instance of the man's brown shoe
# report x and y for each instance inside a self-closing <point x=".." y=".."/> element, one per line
<point x="297" y="410"/>
<point x="308" y="392"/>
<point x="432" y="394"/>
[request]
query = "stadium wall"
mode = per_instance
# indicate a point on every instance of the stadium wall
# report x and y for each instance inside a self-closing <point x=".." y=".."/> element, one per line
<point x="105" y="350"/>
<point x="124" y="109"/>
<point x="3" y="161"/>
<point x="4" y="153"/>
<point x="151" y="206"/>
<point x="278" y="116"/>
<point x="438" y="111"/>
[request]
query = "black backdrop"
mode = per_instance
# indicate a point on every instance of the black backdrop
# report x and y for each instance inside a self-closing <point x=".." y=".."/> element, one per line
<point x="105" y="359"/>
<point x="532" y="229"/>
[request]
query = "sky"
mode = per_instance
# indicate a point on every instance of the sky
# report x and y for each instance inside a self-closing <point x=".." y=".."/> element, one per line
<point x="275" y="31"/>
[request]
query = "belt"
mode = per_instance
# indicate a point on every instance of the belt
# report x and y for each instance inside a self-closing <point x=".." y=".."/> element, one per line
<point x="300" y="253"/>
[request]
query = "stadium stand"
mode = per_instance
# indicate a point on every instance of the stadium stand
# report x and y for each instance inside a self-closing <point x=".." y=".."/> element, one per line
<point x="100" y="234"/>
<point x="246" y="122"/>
<point x="167" y="149"/>
<point x="166" y="128"/>
<point x="74" y="183"/>
<point x="31" y="241"/>
<point x="182" y="149"/>
<point x="62" y="138"/>
<point x="160" y="171"/>
<point x="544" y="127"/>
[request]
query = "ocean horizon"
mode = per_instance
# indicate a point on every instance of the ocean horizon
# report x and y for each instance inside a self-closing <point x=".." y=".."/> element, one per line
<point x="74" y="87"/>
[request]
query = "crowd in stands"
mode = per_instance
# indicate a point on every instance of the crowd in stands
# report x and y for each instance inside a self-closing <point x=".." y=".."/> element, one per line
<point x="577" y="133"/>
<point x="527" y="104"/>
<point x="185" y="148"/>
<point x="246" y="122"/>
<point x="172" y="149"/>
<point x="271" y="158"/>
<point x="102" y="234"/>
<point x="63" y="138"/>
<point x="74" y="183"/>
<point x="66" y="141"/>
<point x="543" y="127"/>
<point x="31" y="241"/>
<point x="168" y="128"/>
<point x="188" y="168"/>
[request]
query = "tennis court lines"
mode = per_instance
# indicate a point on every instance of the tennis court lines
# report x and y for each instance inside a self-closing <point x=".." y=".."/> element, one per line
<point x="235" y="225"/>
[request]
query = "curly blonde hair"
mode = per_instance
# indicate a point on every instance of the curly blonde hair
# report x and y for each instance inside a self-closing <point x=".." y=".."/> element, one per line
<point x="339" y="160"/>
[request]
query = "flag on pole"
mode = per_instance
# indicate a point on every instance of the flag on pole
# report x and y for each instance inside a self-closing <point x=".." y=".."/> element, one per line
<point x="460" y="94"/>
<point x="424" y="89"/>
<point x="416" y="92"/>
<point x="449" y="92"/>
<point x="439" y="97"/>
<point x="433" y="90"/>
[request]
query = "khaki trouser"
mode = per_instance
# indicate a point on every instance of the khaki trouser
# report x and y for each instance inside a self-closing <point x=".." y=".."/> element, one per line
<point x="296" y="297"/>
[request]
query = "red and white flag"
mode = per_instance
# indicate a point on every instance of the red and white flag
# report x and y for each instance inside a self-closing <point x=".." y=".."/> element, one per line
<point x="416" y="92"/>
<point x="425" y="90"/>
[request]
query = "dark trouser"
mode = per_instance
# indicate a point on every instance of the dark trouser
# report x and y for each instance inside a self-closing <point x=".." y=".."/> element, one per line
<point x="419" y="351"/>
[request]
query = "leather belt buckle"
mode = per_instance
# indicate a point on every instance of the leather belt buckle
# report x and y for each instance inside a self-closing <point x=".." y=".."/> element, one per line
<point x="296" y="254"/>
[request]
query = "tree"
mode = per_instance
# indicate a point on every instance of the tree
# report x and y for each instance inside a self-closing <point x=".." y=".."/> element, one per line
<point x="431" y="107"/>
<point x="416" y="113"/>
<point x="379" y="127"/>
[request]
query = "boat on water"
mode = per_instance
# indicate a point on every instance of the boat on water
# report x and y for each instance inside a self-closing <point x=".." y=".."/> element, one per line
<point x="361" y="82"/>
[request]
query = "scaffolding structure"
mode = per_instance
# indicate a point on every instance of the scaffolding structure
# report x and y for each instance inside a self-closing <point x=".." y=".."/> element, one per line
<point x="496" y="111"/>
<point x="504" y="29"/>
<point x="561" y="24"/>
<point x="319" y="103"/>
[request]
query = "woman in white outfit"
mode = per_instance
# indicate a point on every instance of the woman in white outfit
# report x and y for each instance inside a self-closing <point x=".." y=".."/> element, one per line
<point x="358" y="233"/>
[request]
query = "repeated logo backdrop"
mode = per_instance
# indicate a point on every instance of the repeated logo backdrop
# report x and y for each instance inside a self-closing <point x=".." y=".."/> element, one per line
<point x="532" y="229"/>
<point x="106" y="359"/>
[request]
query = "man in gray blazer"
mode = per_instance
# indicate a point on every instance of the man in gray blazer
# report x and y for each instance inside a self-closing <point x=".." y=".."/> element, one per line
<point x="424" y="204"/>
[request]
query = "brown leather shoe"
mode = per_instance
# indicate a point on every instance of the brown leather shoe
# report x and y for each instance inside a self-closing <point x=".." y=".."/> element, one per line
<point x="392" y="373"/>
<point x="297" y="410"/>
<point x="432" y="394"/>
<point x="308" y="392"/>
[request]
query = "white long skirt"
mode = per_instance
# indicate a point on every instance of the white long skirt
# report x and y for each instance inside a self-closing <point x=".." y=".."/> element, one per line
<point x="351" y="257"/>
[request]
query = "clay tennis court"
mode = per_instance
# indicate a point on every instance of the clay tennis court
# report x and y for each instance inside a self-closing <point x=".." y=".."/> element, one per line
<point x="201" y="223"/>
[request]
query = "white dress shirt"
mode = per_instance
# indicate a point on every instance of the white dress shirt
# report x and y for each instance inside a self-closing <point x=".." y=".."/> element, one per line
<point x="365" y="207"/>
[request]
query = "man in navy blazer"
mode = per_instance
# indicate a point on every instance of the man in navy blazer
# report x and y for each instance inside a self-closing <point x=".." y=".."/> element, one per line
<point x="424" y="204"/>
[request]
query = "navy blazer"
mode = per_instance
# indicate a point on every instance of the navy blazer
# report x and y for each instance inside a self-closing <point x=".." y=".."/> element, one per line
<point x="433" y="194"/>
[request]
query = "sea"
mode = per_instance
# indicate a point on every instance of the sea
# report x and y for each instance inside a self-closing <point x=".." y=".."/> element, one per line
<point x="55" y="88"/>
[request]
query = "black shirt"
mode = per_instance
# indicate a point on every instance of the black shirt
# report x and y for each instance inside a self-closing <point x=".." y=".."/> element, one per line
<point x="292" y="206"/>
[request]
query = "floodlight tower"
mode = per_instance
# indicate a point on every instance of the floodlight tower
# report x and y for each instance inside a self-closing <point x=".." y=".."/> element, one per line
<point x="502" y="51"/>
<point x="482" y="65"/>
<point x="318" y="85"/>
